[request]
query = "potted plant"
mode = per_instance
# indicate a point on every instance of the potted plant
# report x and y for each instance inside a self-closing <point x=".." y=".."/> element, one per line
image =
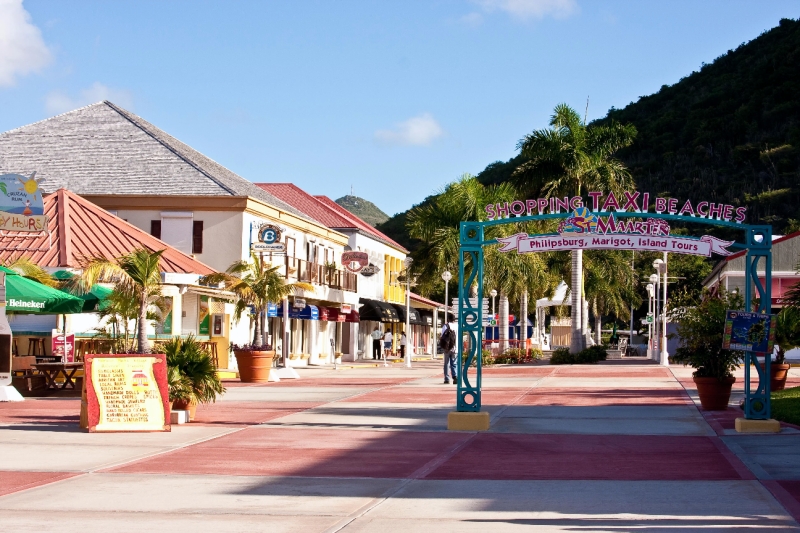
<point x="254" y="362"/>
<point x="700" y="329"/>
<point x="197" y="380"/>
<point x="787" y="337"/>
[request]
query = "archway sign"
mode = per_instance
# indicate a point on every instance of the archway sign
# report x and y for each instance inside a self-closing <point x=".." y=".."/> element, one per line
<point x="603" y="221"/>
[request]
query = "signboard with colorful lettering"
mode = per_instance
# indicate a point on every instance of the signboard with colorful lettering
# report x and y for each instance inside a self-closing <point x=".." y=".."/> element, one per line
<point x="355" y="261"/>
<point x="267" y="239"/>
<point x="127" y="393"/>
<point x="750" y="332"/>
<point x="21" y="207"/>
<point x="205" y="318"/>
<point x="598" y="226"/>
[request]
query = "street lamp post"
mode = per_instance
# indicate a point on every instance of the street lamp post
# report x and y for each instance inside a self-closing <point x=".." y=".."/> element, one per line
<point x="655" y="282"/>
<point x="446" y="276"/>
<point x="656" y="279"/>
<point x="409" y="344"/>
<point x="664" y="352"/>
<point x="649" y="319"/>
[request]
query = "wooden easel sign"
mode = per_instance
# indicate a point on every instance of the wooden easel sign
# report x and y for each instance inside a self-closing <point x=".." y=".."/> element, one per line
<point x="127" y="393"/>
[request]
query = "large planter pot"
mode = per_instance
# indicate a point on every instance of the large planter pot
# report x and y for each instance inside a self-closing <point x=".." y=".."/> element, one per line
<point x="778" y="374"/>
<point x="254" y="367"/>
<point x="185" y="405"/>
<point x="714" y="393"/>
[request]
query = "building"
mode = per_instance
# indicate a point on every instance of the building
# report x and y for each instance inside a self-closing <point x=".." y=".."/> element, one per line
<point x="79" y="230"/>
<point x="160" y="185"/>
<point x="382" y="295"/>
<point x="729" y="273"/>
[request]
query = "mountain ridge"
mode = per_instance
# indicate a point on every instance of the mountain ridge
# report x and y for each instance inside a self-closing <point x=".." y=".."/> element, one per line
<point x="363" y="209"/>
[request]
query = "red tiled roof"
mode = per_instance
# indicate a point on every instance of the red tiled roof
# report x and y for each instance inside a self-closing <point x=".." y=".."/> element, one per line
<point x="324" y="210"/>
<point x="80" y="229"/>
<point x="360" y="224"/>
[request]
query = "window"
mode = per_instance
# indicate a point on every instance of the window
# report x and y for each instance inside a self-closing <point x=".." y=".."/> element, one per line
<point x="197" y="237"/>
<point x="155" y="228"/>
<point x="177" y="230"/>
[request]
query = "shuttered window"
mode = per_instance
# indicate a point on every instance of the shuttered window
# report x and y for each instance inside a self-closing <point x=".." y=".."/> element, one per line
<point x="155" y="228"/>
<point x="197" y="237"/>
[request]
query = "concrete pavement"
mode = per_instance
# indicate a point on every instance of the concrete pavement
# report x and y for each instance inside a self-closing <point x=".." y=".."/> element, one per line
<point x="612" y="447"/>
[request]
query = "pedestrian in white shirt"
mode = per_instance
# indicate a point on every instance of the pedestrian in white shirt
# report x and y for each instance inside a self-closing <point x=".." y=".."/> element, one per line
<point x="387" y="343"/>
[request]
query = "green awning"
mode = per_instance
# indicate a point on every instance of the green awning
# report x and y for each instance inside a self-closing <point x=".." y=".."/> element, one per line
<point x="94" y="299"/>
<point x="30" y="297"/>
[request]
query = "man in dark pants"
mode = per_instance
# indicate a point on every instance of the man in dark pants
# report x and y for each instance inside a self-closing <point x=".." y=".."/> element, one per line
<point x="376" y="342"/>
<point x="448" y="343"/>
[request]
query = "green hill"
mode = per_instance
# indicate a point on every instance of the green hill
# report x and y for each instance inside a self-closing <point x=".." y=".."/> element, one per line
<point x="363" y="209"/>
<point x="728" y="133"/>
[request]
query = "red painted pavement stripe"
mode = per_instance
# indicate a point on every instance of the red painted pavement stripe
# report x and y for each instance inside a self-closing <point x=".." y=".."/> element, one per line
<point x="787" y="493"/>
<point x="15" y="481"/>
<point x="733" y="459"/>
<point x="575" y="457"/>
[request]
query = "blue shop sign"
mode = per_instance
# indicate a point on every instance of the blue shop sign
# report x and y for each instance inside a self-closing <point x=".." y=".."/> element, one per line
<point x="309" y="312"/>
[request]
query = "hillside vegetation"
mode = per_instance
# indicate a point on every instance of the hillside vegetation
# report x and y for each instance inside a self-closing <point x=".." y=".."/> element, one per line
<point x="363" y="209"/>
<point x="728" y="133"/>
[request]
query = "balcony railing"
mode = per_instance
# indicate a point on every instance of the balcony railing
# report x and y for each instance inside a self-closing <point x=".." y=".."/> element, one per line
<point x="321" y="275"/>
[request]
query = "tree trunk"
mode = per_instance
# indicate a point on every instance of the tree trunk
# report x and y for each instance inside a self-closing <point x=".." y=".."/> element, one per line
<point x="576" y="290"/>
<point x="587" y="341"/>
<point x="598" y="331"/>
<point x="503" y="325"/>
<point x="258" y="340"/>
<point x="144" y="344"/>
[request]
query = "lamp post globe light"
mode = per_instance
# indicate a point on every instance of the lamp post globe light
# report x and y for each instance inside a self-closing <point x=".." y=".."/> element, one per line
<point x="493" y="294"/>
<point x="661" y="269"/>
<point x="409" y="344"/>
<point x="656" y="281"/>
<point x="446" y="276"/>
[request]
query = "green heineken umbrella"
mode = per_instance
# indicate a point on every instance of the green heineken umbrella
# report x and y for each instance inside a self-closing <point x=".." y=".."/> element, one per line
<point x="30" y="297"/>
<point x="94" y="299"/>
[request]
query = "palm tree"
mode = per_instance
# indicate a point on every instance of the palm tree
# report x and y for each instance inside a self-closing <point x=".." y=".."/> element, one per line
<point x="570" y="158"/>
<point x="26" y="268"/>
<point x="256" y="284"/>
<point x="610" y="286"/>
<point x="136" y="275"/>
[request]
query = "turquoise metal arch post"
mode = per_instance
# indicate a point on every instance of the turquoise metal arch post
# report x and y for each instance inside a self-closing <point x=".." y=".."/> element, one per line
<point x="470" y="321"/>
<point x="757" y="402"/>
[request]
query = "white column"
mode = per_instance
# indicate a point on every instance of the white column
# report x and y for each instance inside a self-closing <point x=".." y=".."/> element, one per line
<point x="664" y="352"/>
<point x="286" y="335"/>
<point x="503" y="325"/>
<point x="523" y="320"/>
<point x="576" y="291"/>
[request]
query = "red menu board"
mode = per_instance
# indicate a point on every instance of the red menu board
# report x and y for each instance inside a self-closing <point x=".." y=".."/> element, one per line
<point x="64" y="346"/>
<point x="127" y="392"/>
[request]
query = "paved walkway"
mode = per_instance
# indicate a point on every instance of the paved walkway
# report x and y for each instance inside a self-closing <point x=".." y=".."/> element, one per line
<point x="612" y="447"/>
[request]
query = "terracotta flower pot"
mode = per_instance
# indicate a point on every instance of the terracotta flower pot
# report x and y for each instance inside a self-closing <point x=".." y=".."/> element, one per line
<point x="778" y="374"/>
<point x="714" y="393"/>
<point x="254" y="367"/>
<point x="185" y="405"/>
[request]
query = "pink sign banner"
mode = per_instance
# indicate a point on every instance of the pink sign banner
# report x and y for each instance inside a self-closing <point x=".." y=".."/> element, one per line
<point x="705" y="245"/>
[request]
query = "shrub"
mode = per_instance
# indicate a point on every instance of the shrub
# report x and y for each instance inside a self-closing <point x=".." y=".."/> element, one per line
<point x="191" y="372"/>
<point x="592" y="355"/>
<point x="562" y="356"/>
<point x="486" y="358"/>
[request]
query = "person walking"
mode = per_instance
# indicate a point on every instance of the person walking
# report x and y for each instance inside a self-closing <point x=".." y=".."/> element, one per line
<point x="448" y="344"/>
<point x="387" y="344"/>
<point x="376" y="342"/>
<point x="403" y="343"/>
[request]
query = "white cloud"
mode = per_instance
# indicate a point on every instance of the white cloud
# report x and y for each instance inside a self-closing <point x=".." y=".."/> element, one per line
<point x="421" y="130"/>
<point x="22" y="49"/>
<point x="59" y="102"/>
<point x="471" y="19"/>
<point x="532" y="9"/>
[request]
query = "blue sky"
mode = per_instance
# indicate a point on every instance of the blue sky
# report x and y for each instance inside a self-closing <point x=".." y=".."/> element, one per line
<point x="393" y="98"/>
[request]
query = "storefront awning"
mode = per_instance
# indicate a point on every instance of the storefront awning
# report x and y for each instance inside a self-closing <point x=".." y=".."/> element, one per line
<point x="377" y="311"/>
<point x="413" y="315"/>
<point x="331" y="314"/>
<point x="426" y="316"/>
<point x="309" y="312"/>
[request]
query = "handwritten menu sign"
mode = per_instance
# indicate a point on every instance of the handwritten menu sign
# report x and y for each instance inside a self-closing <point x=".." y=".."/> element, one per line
<point x="127" y="393"/>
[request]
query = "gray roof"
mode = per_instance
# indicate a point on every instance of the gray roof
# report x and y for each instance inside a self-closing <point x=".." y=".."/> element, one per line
<point x="103" y="149"/>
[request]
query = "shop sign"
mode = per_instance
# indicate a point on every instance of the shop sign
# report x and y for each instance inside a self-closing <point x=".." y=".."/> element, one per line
<point x="299" y="303"/>
<point x="597" y="227"/>
<point x="751" y="332"/>
<point x="355" y="261"/>
<point x="272" y="310"/>
<point x="21" y="207"/>
<point x="370" y="270"/>
<point x="63" y="346"/>
<point x="346" y="308"/>
<point x="268" y="237"/>
<point x="204" y="316"/>
<point x="127" y="393"/>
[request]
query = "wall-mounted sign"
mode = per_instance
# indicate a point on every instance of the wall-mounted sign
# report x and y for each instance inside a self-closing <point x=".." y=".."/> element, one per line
<point x="346" y="308"/>
<point x="369" y="270"/>
<point x="751" y="332"/>
<point x="127" y="393"/>
<point x="299" y="303"/>
<point x="268" y="237"/>
<point x="355" y="261"/>
<point x="21" y="207"/>
<point x="584" y="230"/>
<point x="63" y="346"/>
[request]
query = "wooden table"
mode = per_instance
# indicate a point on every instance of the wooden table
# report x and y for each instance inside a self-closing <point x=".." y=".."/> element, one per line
<point x="52" y="370"/>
